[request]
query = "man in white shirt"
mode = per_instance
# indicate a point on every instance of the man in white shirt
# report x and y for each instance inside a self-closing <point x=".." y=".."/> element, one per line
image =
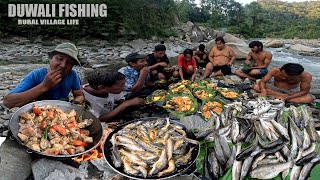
<point x="103" y="91"/>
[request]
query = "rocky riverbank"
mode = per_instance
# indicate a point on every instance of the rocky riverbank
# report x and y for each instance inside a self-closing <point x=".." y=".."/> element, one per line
<point x="306" y="47"/>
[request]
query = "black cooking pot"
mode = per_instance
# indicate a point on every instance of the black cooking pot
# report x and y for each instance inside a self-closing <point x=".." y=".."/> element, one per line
<point x="95" y="128"/>
<point x="181" y="170"/>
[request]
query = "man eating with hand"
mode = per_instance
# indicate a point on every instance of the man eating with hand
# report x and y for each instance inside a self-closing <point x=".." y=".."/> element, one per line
<point x="53" y="83"/>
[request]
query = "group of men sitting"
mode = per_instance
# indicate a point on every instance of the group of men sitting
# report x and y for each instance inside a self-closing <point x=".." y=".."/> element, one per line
<point x="126" y="86"/>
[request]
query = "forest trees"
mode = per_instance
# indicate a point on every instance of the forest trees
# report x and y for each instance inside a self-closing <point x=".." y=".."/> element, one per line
<point x="146" y="18"/>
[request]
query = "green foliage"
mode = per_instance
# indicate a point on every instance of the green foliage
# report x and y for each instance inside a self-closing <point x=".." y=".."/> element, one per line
<point x="146" y="18"/>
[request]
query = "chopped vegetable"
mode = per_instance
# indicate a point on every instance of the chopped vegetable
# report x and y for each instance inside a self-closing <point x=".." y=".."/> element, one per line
<point x="60" y="129"/>
<point x="45" y="134"/>
<point x="79" y="143"/>
<point x="36" y="110"/>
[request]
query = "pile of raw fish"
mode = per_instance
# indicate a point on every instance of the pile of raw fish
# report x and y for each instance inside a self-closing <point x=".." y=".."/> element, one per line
<point x="261" y="139"/>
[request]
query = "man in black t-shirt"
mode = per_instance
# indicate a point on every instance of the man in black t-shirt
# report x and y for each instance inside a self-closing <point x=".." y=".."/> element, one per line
<point x="157" y="61"/>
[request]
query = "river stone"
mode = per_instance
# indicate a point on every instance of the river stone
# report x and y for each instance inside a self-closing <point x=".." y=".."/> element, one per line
<point x="273" y="44"/>
<point x="196" y="122"/>
<point x="49" y="169"/>
<point x="138" y="44"/>
<point x="300" y="47"/>
<point x="15" y="162"/>
<point x="171" y="54"/>
<point x="229" y="38"/>
<point x="101" y="164"/>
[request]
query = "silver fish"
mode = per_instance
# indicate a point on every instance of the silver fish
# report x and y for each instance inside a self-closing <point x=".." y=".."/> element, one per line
<point x="128" y="168"/>
<point x="170" y="169"/>
<point x="224" y="144"/>
<point x="246" y="165"/>
<point x="232" y="157"/>
<point x="236" y="168"/>
<point x="132" y="147"/>
<point x="160" y="164"/>
<point x="169" y="148"/>
<point x="295" y="172"/>
<point x="134" y="158"/>
<point x="214" y="165"/>
<point x="164" y="129"/>
<point x="280" y="129"/>
<point x="186" y="158"/>
<point x="219" y="151"/>
<point x="142" y="170"/>
<point x="115" y="153"/>
<point x="305" y="171"/>
<point x="257" y="160"/>
<point x="178" y="143"/>
<point x="269" y="171"/>
<point x="306" y="139"/>
<point x="235" y="131"/>
<point x="125" y="140"/>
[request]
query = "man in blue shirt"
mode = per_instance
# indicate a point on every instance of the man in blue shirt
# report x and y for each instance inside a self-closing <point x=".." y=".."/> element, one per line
<point x="51" y="83"/>
<point x="137" y="75"/>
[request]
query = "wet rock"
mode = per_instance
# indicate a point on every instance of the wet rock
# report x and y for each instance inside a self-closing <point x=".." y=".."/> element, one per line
<point x="154" y="38"/>
<point x="101" y="164"/>
<point x="15" y="161"/>
<point x="229" y="38"/>
<point x="138" y="44"/>
<point x="171" y="54"/>
<point x="50" y="169"/>
<point x="196" y="122"/>
<point x="100" y="65"/>
<point x="124" y="54"/>
<point x="273" y="44"/>
<point x="304" y="50"/>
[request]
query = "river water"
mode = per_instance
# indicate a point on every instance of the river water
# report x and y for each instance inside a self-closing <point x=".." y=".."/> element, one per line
<point x="311" y="64"/>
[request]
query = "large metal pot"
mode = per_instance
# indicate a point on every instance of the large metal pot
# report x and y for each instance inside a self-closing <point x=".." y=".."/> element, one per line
<point x="181" y="170"/>
<point x="95" y="129"/>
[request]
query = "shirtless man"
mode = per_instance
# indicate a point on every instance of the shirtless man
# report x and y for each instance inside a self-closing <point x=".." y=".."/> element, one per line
<point x="261" y="61"/>
<point x="221" y="58"/>
<point x="291" y="84"/>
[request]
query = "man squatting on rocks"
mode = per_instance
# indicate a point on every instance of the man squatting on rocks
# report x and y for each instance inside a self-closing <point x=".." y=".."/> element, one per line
<point x="221" y="58"/>
<point x="53" y="83"/>
<point x="261" y="61"/>
<point x="157" y="61"/>
<point x="290" y="83"/>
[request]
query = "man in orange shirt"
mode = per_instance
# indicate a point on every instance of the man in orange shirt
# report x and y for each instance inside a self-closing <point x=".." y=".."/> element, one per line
<point x="187" y="66"/>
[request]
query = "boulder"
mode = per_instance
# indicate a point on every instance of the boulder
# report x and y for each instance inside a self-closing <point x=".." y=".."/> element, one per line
<point x="274" y="44"/>
<point x="171" y="38"/>
<point x="229" y="38"/>
<point x="138" y="44"/>
<point x="49" y="169"/>
<point x="15" y="162"/>
<point x="302" y="48"/>
<point x="171" y="54"/>
<point x="241" y="50"/>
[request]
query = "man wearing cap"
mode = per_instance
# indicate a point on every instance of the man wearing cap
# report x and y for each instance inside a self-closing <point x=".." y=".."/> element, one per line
<point x="157" y="61"/>
<point x="51" y="83"/>
<point x="137" y="75"/>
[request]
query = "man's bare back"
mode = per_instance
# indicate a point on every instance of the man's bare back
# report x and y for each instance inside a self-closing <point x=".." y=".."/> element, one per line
<point x="221" y="57"/>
